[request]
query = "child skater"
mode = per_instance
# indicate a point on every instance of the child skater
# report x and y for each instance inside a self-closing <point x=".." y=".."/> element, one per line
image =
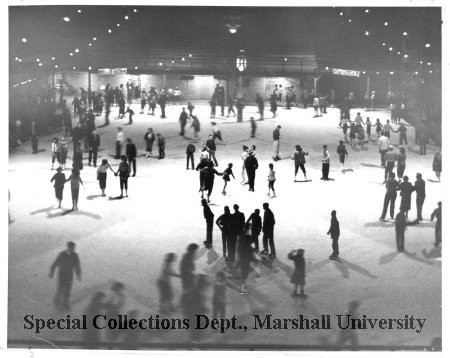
<point x="368" y="127"/>
<point x="352" y="134"/>
<point x="298" y="276"/>
<point x="342" y="151"/>
<point x="345" y="128"/>
<point x="165" y="284"/>
<point x="75" y="182"/>
<point x="124" y="173"/>
<point x="271" y="178"/>
<point x="226" y="177"/>
<point x="101" y="174"/>
<point x="378" y="127"/>
<point x="60" y="180"/>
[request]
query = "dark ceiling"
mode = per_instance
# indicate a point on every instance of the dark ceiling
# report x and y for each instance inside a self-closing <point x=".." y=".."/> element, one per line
<point x="157" y="34"/>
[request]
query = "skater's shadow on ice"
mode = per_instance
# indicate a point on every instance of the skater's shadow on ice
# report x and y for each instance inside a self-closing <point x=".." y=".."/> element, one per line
<point x="317" y="265"/>
<point x="347" y="170"/>
<point x="282" y="266"/>
<point x="77" y="213"/>
<point x="45" y="210"/>
<point x="433" y="181"/>
<point x="434" y="253"/>
<point x="379" y="223"/>
<point x="371" y="165"/>
<point x="415" y="258"/>
<point x="90" y="197"/>
<point x="343" y="266"/>
<point x="385" y="259"/>
<point x="116" y="197"/>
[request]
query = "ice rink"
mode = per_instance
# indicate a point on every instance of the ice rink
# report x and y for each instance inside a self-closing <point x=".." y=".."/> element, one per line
<point x="125" y="240"/>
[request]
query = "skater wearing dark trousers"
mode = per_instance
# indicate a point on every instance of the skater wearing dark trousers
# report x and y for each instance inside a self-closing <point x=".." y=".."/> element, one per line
<point x="273" y="104"/>
<point x="121" y="103"/>
<point x="387" y="128"/>
<point x="378" y="128"/>
<point x="402" y="134"/>
<point x="256" y="226"/>
<point x="161" y="145"/>
<point x="251" y="164"/>
<point x="342" y="152"/>
<point x="183" y="121"/>
<point x="368" y="127"/>
<point x="299" y="161"/>
<point x="119" y="142"/>
<point x="267" y="229"/>
<point x="437" y="165"/>
<point x="276" y="143"/>
<point x="230" y="106"/>
<point x="196" y="125"/>
<point x="162" y="103"/>
<point x="401" y="163"/>
<point x="390" y="158"/>
<point x="102" y="174"/>
<point x="334" y="233"/>
<point x="190" y="108"/>
<point x="260" y="104"/>
<point x="190" y="150"/>
<point x="131" y="153"/>
<point x="271" y="180"/>
<point x="400" y="227"/>
<point x="209" y="172"/>
<point x="390" y="197"/>
<point x="217" y="134"/>
<point x="419" y="188"/>
<point x="130" y="115"/>
<point x="149" y="138"/>
<point x="383" y="147"/>
<point x="124" y="172"/>
<point x="94" y="144"/>
<point x="298" y="276"/>
<point x="325" y="163"/>
<point x="209" y="217"/>
<point x="253" y="127"/>
<point x="240" y="109"/>
<point x="226" y="177"/>
<point x="68" y="262"/>
<point x="437" y="213"/>
<point x="59" y="179"/>
<point x="423" y="140"/>
<point x="406" y="189"/>
<point x="224" y="224"/>
<point x="211" y="145"/>
<point x="75" y="182"/>
<point x="237" y="227"/>
<point x="165" y="284"/>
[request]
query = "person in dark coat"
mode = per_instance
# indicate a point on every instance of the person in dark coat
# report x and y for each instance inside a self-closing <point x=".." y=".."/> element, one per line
<point x="240" y="109"/>
<point x="213" y="104"/>
<point x="149" y="138"/>
<point x="77" y="135"/>
<point x="121" y="103"/>
<point x="209" y="217"/>
<point x="406" y="189"/>
<point x="401" y="162"/>
<point x="400" y="227"/>
<point x="196" y="125"/>
<point x="419" y="188"/>
<point x="334" y="232"/>
<point x="211" y="145"/>
<point x="267" y="229"/>
<point x="130" y="115"/>
<point x="298" y="276"/>
<point x="161" y="145"/>
<point x="131" y="153"/>
<point x="390" y="196"/>
<point x="94" y="144"/>
<point x="68" y="262"/>
<point x="273" y="104"/>
<point x="124" y="172"/>
<point x="251" y="164"/>
<point x="77" y="159"/>
<point x="299" y="161"/>
<point x="162" y="103"/>
<point x="437" y="213"/>
<point x="237" y="227"/>
<point x="230" y="106"/>
<point x="183" y="121"/>
<point x="437" y="165"/>
<point x="187" y="268"/>
<point x="256" y="226"/>
<point x="224" y="223"/>
<point x="59" y="179"/>
<point x="253" y="127"/>
<point x="423" y="140"/>
<point x="342" y="152"/>
<point x="209" y="173"/>
<point x="190" y="150"/>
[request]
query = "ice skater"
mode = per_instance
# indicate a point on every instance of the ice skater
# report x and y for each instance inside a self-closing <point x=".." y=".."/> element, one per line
<point x="149" y="138"/>
<point x="271" y="180"/>
<point x="325" y="163"/>
<point x="390" y="197"/>
<point x="67" y="262"/>
<point x="165" y="284"/>
<point x="298" y="276"/>
<point x="131" y="153"/>
<point x="244" y="155"/>
<point x="342" y="152"/>
<point x="268" y="228"/>
<point x="299" y="161"/>
<point x="124" y="173"/>
<point x="226" y="177"/>
<point x="217" y="134"/>
<point x="59" y="179"/>
<point x="437" y="213"/>
<point x="130" y="115"/>
<point x="334" y="232"/>
<point x="273" y="104"/>
<point x="419" y="188"/>
<point x="406" y="189"/>
<point x="209" y="218"/>
<point x="190" y="108"/>
<point x="119" y="142"/>
<point x="390" y="158"/>
<point x="253" y="127"/>
<point x="255" y="229"/>
<point x="209" y="172"/>
<point x="196" y="125"/>
<point x="190" y="150"/>
<point x="102" y="174"/>
<point x="183" y="121"/>
<point x="230" y="106"/>
<point x="224" y="224"/>
<point x="378" y="127"/>
<point x="55" y="152"/>
<point x="161" y="146"/>
<point x="75" y="182"/>
<point x="437" y="165"/>
<point x="251" y="164"/>
<point x="276" y="143"/>
<point x="401" y="163"/>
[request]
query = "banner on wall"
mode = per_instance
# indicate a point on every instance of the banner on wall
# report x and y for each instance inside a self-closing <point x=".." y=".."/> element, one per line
<point x="340" y="72"/>
<point x="112" y="71"/>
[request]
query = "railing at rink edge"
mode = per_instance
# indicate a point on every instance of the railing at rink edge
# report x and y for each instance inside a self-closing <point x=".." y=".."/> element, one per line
<point x="41" y="344"/>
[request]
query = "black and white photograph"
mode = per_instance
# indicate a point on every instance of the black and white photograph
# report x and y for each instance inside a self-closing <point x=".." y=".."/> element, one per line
<point x="254" y="177"/>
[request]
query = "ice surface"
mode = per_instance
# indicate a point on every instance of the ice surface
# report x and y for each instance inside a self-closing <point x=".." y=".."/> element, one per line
<point x="126" y="240"/>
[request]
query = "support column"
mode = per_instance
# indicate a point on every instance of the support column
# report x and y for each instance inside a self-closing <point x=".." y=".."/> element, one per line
<point x="89" y="87"/>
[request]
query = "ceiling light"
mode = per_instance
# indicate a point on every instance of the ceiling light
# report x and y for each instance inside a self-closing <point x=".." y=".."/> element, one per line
<point x="24" y="39"/>
<point x="76" y="50"/>
<point x="285" y="59"/>
<point x="118" y="25"/>
<point x="40" y="64"/>
<point x="53" y="58"/>
<point x="135" y="10"/>
<point x="74" y="68"/>
<point x="405" y="34"/>
<point x="367" y="11"/>
<point x="384" y="43"/>
<point x="79" y="11"/>
<point x="190" y="55"/>
<point x="427" y="45"/>
<point x="20" y="60"/>
<point x="391" y="72"/>
<point x="90" y="68"/>
<point x="109" y="30"/>
<point x="341" y="13"/>
<point x="349" y="20"/>
<point x="94" y="38"/>
<point x="398" y="53"/>
<point x="232" y="30"/>
<point x="406" y="55"/>
<point x="56" y="66"/>
<point x="420" y="62"/>
<point x="182" y="59"/>
<point x="37" y="60"/>
<point x="17" y="59"/>
<point x="90" y="44"/>
<point x="173" y="61"/>
<point x="416" y="73"/>
<point x="378" y="73"/>
<point x="364" y="72"/>
<point x="71" y="54"/>
<point x="126" y="17"/>
<point x="326" y="68"/>
<point x="135" y="67"/>
<point x="429" y="63"/>
<point x="386" y="23"/>
<point x="160" y="63"/>
<point x="367" y="33"/>
<point x="390" y="48"/>
<point x="431" y="71"/>
<point x="66" y="19"/>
